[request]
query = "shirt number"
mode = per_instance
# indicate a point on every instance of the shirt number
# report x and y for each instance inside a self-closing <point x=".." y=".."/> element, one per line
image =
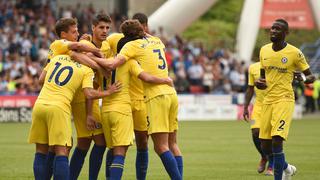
<point x="58" y="74"/>
<point x="164" y="65"/>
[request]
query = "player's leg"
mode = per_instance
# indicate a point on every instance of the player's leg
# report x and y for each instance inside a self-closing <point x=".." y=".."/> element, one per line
<point x="121" y="126"/>
<point x="173" y="127"/>
<point x="142" y="157"/>
<point x="161" y="147"/>
<point x="60" y="133"/>
<point x="49" y="162"/>
<point x="117" y="165"/>
<point x="83" y="139"/>
<point x="96" y="155"/>
<point x="139" y="116"/>
<point x="158" y="116"/>
<point x="39" y="136"/>
<point x="257" y="143"/>
<point x="99" y="147"/>
<point x="78" y="156"/>
<point x="281" y="121"/>
<point x="39" y="163"/>
<point x="61" y="163"/>
<point x="174" y="148"/>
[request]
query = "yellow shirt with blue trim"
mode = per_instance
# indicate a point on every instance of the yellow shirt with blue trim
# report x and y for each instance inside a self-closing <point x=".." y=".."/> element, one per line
<point x="120" y="101"/>
<point x="149" y="52"/>
<point x="279" y="67"/>
<point x="64" y="76"/>
<point x="254" y="74"/>
<point x="136" y="87"/>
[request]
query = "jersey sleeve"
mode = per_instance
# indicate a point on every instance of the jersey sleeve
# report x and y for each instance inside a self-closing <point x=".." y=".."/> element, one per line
<point x="128" y="51"/>
<point x="301" y="62"/>
<point x="60" y="47"/>
<point x="88" y="78"/>
<point x="134" y="68"/>
<point x="106" y="49"/>
<point x="250" y="77"/>
<point x="88" y="43"/>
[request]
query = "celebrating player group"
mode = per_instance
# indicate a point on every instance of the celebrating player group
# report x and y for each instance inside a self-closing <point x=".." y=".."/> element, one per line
<point x="128" y="71"/>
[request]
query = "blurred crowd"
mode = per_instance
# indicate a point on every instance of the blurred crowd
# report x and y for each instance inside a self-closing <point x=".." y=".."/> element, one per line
<point x="27" y="29"/>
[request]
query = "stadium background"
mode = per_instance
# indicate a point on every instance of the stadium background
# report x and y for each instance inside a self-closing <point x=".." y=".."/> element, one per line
<point x="205" y="63"/>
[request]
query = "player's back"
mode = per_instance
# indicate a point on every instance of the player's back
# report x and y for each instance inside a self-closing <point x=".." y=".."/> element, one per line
<point x="120" y="101"/>
<point x="149" y="52"/>
<point x="64" y="76"/>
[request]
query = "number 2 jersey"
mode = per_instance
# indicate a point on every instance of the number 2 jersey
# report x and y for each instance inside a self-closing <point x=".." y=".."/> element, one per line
<point x="149" y="52"/>
<point x="279" y="67"/>
<point x="64" y="76"/>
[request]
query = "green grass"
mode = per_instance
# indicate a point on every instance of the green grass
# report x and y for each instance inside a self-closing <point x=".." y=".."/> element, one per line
<point x="219" y="150"/>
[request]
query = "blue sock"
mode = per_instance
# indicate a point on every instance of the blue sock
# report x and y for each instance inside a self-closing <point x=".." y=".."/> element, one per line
<point x="76" y="162"/>
<point x="270" y="159"/>
<point x="39" y="166"/>
<point x="116" y="167"/>
<point x="61" y="168"/>
<point x="109" y="160"/>
<point x="96" y="158"/>
<point x="279" y="163"/>
<point x="141" y="164"/>
<point x="49" y="166"/>
<point x="180" y="164"/>
<point x="170" y="165"/>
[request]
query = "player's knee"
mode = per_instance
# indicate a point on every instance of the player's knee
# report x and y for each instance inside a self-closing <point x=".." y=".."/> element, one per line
<point x="99" y="140"/>
<point x="61" y="150"/>
<point x="42" y="148"/>
<point x="159" y="149"/>
<point x="277" y="142"/>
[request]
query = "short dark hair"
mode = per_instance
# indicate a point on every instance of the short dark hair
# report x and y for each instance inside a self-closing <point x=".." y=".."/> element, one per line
<point x="101" y="17"/>
<point x="63" y="24"/>
<point x="284" y="22"/>
<point x="142" y="18"/>
<point x="132" y="29"/>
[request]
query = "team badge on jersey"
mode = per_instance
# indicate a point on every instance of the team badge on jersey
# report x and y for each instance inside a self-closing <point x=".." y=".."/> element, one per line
<point x="284" y="60"/>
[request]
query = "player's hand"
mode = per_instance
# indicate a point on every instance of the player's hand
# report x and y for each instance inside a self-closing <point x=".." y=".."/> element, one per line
<point x="169" y="81"/>
<point x="246" y="114"/>
<point x="87" y="37"/>
<point x="261" y="84"/>
<point x="297" y="76"/>
<point x="91" y="123"/>
<point x="115" y="87"/>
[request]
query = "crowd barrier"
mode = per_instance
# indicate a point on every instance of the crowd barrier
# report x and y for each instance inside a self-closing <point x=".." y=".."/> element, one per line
<point x="205" y="107"/>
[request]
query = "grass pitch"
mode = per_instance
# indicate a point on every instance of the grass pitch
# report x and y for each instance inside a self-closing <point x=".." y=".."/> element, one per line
<point x="221" y="150"/>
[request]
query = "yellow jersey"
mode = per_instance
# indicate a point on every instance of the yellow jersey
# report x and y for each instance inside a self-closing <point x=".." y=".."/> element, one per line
<point x="136" y="87"/>
<point x="149" y="52"/>
<point x="113" y="40"/>
<point x="120" y="101"/>
<point x="79" y="97"/>
<point x="64" y="76"/>
<point x="279" y="67"/>
<point x="59" y="47"/>
<point x="254" y="74"/>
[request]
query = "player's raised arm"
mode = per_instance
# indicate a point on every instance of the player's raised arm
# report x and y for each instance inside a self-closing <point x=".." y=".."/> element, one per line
<point x="78" y="46"/>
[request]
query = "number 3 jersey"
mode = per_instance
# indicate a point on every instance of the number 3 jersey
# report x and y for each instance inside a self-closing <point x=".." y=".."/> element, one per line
<point x="149" y="52"/>
<point x="64" y="76"/>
